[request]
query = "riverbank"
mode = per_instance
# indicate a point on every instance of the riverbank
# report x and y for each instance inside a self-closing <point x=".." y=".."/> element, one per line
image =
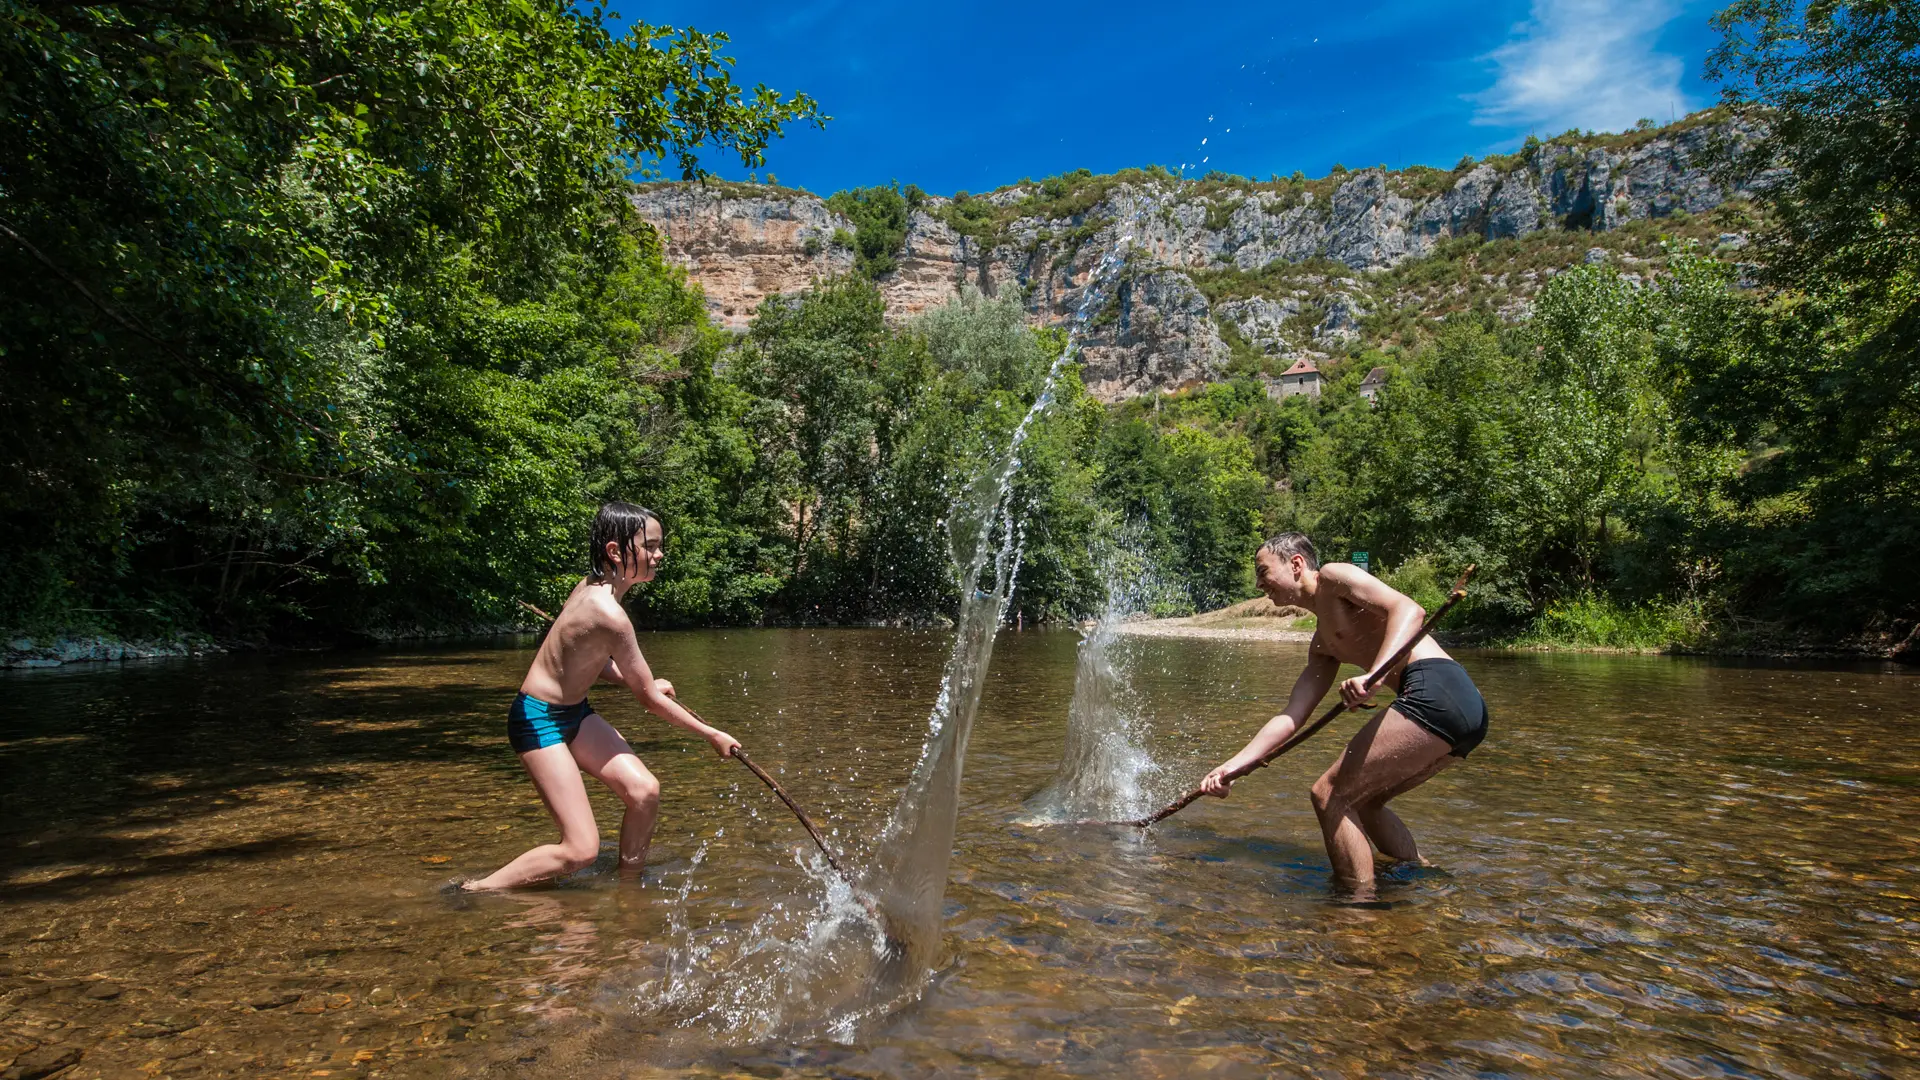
<point x="46" y="650"/>
<point x="24" y="651"/>
<point x="1259" y="620"/>
<point x="1768" y="648"/>
<point x="1241" y="622"/>
<point x="1236" y="630"/>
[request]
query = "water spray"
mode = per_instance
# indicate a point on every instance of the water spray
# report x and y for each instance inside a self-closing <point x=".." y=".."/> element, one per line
<point x="1458" y="594"/>
<point x="892" y="943"/>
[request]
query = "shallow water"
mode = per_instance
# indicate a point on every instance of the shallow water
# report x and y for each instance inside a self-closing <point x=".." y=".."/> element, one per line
<point x="1653" y="867"/>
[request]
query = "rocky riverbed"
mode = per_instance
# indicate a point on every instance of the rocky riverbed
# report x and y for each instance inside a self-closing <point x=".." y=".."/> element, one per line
<point x="35" y="652"/>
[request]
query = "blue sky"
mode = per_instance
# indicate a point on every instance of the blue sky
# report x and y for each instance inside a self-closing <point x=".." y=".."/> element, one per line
<point x="960" y="96"/>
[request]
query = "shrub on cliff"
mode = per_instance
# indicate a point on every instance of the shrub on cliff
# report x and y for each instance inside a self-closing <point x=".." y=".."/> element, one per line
<point x="879" y="216"/>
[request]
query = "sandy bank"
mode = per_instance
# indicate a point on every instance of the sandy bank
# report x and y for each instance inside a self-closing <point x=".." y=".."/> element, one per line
<point x="1250" y="620"/>
<point x="1186" y="628"/>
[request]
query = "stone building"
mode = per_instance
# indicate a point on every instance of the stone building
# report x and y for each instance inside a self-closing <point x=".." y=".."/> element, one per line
<point x="1302" y="378"/>
<point x="1370" y="386"/>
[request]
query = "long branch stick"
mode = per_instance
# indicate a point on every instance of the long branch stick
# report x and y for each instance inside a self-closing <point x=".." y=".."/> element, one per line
<point x="1459" y="593"/>
<point x="806" y="823"/>
<point x="767" y="779"/>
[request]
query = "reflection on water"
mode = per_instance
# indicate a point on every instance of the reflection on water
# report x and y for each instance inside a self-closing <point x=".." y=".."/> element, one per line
<point x="1652" y="867"/>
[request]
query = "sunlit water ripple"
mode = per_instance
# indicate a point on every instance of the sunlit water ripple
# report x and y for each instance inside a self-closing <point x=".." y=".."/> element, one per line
<point x="1654" y="867"/>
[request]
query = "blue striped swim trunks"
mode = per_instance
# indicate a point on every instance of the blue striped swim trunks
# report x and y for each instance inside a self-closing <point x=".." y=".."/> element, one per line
<point x="533" y="724"/>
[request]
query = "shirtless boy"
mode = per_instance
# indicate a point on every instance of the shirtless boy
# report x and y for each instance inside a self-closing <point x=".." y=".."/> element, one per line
<point x="593" y="639"/>
<point x="1438" y="717"/>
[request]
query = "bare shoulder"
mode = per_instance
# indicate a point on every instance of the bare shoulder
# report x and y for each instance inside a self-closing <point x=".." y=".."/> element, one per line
<point x="1344" y="576"/>
<point x="1346" y="583"/>
<point x="606" y="613"/>
<point x="1359" y="588"/>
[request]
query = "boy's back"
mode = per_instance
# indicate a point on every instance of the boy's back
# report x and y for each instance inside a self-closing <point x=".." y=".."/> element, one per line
<point x="574" y="653"/>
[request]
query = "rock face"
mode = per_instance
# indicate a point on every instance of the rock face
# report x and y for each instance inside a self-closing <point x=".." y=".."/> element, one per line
<point x="1261" y="320"/>
<point x="1158" y="332"/>
<point x="31" y="653"/>
<point x="932" y="268"/>
<point x="743" y="249"/>
<point x="1160" y="337"/>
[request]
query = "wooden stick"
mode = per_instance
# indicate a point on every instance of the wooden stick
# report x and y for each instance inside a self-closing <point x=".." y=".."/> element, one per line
<point x="1459" y="593"/>
<point x="805" y="823"/>
<point x="819" y="841"/>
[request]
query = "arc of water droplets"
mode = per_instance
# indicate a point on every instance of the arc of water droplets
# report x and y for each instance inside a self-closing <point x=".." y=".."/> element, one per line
<point x="1010" y="464"/>
<point x="794" y="972"/>
<point x="910" y="870"/>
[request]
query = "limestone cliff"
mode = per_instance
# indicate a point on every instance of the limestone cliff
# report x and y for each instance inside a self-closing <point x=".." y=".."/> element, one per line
<point x="1292" y="266"/>
<point x="743" y="246"/>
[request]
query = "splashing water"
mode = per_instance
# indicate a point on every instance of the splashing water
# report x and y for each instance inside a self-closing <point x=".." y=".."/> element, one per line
<point x="910" y="877"/>
<point x="830" y="968"/>
<point x="1105" y="762"/>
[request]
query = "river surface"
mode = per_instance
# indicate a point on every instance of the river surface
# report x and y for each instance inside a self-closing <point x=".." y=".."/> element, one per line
<point x="1652" y="867"/>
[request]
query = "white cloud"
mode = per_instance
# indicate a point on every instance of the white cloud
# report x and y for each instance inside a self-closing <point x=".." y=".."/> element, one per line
<point x="1585" y="64"/>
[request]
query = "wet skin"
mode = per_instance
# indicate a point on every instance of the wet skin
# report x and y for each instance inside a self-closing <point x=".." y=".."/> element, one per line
<point x="591" y="640"/>
<point x="1363" y="622"/>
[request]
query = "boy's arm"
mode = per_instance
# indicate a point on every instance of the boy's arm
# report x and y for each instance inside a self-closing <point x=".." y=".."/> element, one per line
<point x="1404" y="618"/>
<point x="1308" y="689"/>
<point x="656" y="694"/>
<point x="611" y="673"/>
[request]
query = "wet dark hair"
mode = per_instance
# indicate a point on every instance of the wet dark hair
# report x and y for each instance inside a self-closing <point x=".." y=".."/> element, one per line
<point x="1289" y="544"/>
<point x="620" y="523"/>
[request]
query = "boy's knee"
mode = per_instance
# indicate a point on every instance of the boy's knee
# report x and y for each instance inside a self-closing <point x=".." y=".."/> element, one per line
<point x="578" y="853"/>
<point x="639" y="789"/>
<point x="1327" y="797"/>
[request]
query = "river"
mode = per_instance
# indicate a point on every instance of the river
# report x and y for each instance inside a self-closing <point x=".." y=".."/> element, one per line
<point x="1653" y="867"/>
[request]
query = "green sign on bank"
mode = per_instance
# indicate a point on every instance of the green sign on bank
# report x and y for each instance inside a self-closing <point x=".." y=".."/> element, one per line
<point x="1360" y="560"/>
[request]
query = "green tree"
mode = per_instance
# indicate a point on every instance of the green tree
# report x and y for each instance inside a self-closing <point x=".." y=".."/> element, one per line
<point x="1533" y="452"/>
<point x="1825" y="386"/>
<point x="303" y="302"/>
<point x="879" y="216"/>
<point x="812" y="366"/>
<point x="980" y="369"/>
<point x="1589" y="413"/>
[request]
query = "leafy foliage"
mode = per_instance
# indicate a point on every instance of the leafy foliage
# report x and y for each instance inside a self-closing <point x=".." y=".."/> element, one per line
<point x="879" y="216"/>
<point x="334" y="314"/>
<point x="1825" y="384"/>
<point x="332" y="309"/>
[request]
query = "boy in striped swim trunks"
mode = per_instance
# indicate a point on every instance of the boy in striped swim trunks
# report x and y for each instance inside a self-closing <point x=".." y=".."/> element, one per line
<point x="554" y="728"/>
<point x="1437" y="719"/>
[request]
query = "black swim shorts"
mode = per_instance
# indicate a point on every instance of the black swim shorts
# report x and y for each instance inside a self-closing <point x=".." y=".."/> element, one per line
<point x="1437" y="694"/>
